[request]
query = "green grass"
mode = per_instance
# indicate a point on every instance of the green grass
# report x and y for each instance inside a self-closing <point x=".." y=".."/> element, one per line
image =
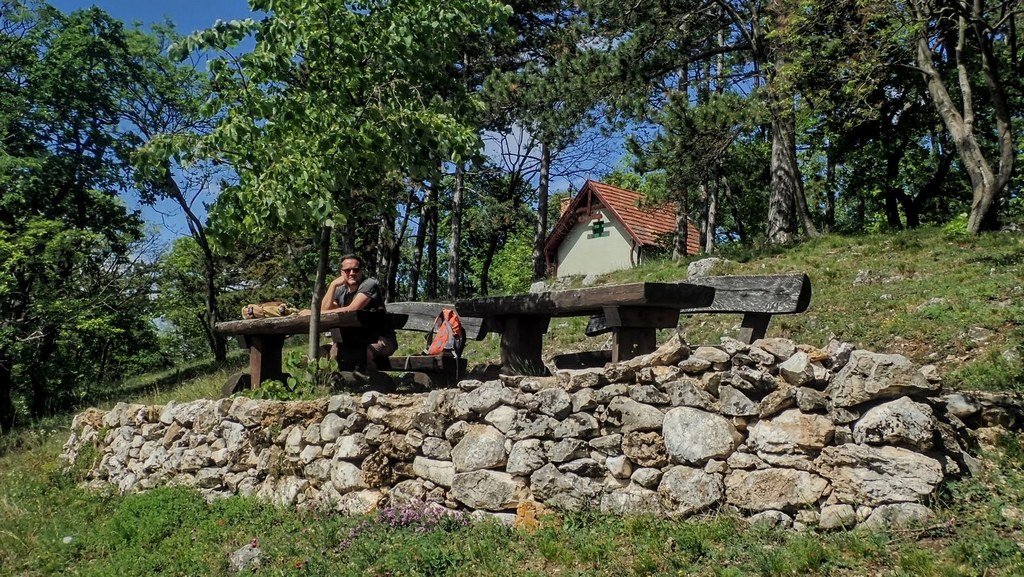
<point x="979" y="529"/>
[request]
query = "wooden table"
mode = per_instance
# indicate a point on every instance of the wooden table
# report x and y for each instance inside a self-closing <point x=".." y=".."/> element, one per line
<point x="633" y="311"/>
<point x="265" y="337"/>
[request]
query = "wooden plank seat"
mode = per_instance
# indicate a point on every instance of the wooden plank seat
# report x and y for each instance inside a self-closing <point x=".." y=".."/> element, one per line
<point x="757" y="298"/>
<point x="433" y="370"/>
<point x="633" y="311"/>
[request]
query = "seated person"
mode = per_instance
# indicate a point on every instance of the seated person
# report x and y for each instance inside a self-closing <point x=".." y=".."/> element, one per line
<point x="352" y="291"/>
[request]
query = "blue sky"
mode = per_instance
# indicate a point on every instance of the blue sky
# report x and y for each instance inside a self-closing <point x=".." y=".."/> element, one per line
<point x="188" y="16"/>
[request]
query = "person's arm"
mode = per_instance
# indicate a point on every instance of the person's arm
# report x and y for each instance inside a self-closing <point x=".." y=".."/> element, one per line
<point x="328" y="303"/>
<point x="359" y="301"/>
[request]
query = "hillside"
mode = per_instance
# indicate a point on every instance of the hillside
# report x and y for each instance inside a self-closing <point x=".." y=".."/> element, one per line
<point x="954" y="302"/>
<point x="957" y="303"/>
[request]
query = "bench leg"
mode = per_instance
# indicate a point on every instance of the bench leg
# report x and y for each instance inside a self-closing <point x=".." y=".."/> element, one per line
<point x="629" y="342"/>
<point x="522" y="343"/>
<point x="264" y="357"/>
<point x="754" y="326"/>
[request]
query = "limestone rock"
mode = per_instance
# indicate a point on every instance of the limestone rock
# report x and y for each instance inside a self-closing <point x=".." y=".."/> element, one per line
<point x="584" y="467"/>
<point x="579" y="425"/>
<point x="771" y="518"/>
<point x="687" y="490"/>
<point x="567" y="450"/>
<point x="735" y="403"/>
<point x="869" y="376"/>
<point x="526" y="457"/>
<point x="346" y="477"/>
<point x="686" y="392"/>
<point x="779" y="348"/>
<point x="901" y="422"/>
<point x="797" y="370"/>
<point x="631" y="500"/>
<point x="554" y="402"/>
<point x="790" y="431"/>
<point x="247" y="558"/>
<point x="648" y="394"/>
<point x="564" y="490"/>
<point x="694" y="436"/>
<point x="809" y="400"/>
<point x="482" y="447"/>
<point x="488" y="490"/>
<point x="866" y="475"/>
<point x="501" y="418"/>
<point x="619" y="467"/>
<point x="634" y="416"/>
<point x="645" y="449"/>
<point x="436" y="448"/>
<point x="352" y="447"/>
<point x="646" y="477"/>
<point x="777" y="401"/>
<point x="439" y="472"/>
<point x="841" y="516"/>
<point x="781" y="489"/>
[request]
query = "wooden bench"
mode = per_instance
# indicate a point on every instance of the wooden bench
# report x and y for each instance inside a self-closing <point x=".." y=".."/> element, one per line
<point x="757" y="298"/>
<point x="438" y="370"/>
<point x="633" y="313"/>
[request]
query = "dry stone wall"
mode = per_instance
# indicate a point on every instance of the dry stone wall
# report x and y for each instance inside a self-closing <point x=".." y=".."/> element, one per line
<point x="782" y="433"/>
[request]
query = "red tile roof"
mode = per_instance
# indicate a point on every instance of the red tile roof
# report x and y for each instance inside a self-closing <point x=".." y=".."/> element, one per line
<point x="646" y="226"/>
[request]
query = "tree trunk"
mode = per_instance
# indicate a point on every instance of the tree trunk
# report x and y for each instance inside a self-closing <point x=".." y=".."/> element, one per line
<point x="431" y="288"/>
<point x="385" y="248"/>
<point x="456" y="234"/>
<point x="891" y="187"/>
<point x="417" y="254"/>
<point x="734" y="208"/>
<point x="485" y="269"/>
<point x="787" y="204"/>
<point x="318" y="293"/>
<point x="711" y="218"/>
<point x="40" y="402"/>
<point x="985" y="183"/>
<point x="682" y="228"/>
<point x="830" y="192"/>
<point x="782" y="203"/>
<point x="218" y="343"/>
<point x="540" y="268"/>
<point x="6" y="398"/>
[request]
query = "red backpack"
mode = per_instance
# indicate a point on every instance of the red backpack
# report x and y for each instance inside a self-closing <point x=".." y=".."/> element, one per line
<point x="447" y="334"/>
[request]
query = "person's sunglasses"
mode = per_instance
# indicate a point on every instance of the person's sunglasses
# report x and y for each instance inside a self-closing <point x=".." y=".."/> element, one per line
<point x="350" y="270"/>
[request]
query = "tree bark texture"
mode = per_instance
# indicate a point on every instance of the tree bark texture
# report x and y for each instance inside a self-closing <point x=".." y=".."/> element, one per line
<point x="456" y="234"/>
<point x="682" y="228"/>
<point x="318" y="292"/>
<point x="540" y="234"/>
<point x="417" y="255"/>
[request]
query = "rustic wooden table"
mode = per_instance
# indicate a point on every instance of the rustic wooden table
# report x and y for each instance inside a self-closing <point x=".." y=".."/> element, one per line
<point x="265" y="337"/>
<point x="633" y="311"/>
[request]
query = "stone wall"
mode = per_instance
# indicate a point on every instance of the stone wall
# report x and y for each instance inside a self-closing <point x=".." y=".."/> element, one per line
<point x="782" y="433"/>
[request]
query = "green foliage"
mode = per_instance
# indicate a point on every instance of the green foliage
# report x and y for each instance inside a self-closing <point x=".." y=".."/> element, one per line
<point x="307" y="380"/>
<point x="74" y="307"/>
<point x="957" y="228"/>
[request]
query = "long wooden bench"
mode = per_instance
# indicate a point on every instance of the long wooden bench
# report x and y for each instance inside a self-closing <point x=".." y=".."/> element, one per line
<point x="756" y="297"/>
<point x="633" y="313"/>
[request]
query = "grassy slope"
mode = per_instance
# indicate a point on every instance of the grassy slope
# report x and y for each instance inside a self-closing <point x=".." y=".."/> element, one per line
<point x="980" y="529"/>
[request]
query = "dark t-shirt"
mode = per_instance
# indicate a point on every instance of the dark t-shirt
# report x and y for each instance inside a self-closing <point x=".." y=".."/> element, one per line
<point x="371" y="288"/>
